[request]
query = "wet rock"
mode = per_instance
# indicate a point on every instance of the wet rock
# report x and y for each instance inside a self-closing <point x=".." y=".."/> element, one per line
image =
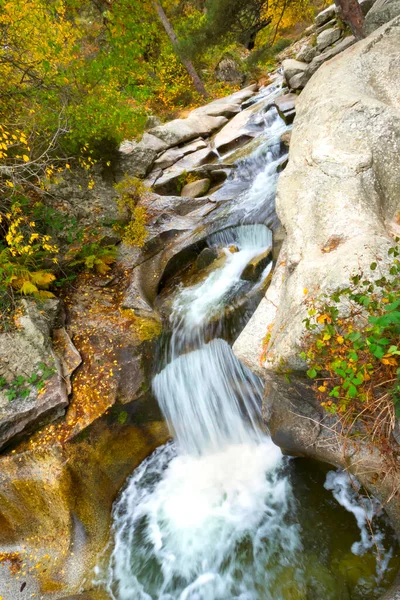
<point x="234" y="133"/>
<point x="228" y="70"/>
<point x="196" y="188"/>
<point x="326" y="15"/>
<point x="292" y="67"/>
<point x="206" y="258"/>
<point x="381" y="12"/>
<point x="286" y="106"/>
<point x="285" y="138"/>
<point x="253" y="270"/>
<point x="327" y="38"/>
<point x="306" y="53"/>
<point x="183" y="130"/>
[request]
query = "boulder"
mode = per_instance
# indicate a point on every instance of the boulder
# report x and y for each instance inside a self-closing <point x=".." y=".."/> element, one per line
<point x="327" y="38"/>
<point x="292" y="67"/>
<point x="171" y="156"/>
<point x="325" y="15"/>
<point x="206" y="257"/>
<point x="366" y="5"/>
<point x="234" y="133"/>
<point x="285" y="138"/>
<point x="138" y="158"/>
<point x="180" y="131"/>
<point x="381" y="12"/>
<point x="306" y="53"/>
<point x="152" y="121"/>
<point x="338" y="201"/>
<point x="228" y="70"/>
<point x="33" y="391"/>
<point x="196" y="188"/>
<point x="69" y="357"/>
<point x="253" y="269"/>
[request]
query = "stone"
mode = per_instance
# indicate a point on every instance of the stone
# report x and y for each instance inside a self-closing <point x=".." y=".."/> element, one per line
<point x="152" y="121"/>
<point x="306" y="53"/>
<point x="69" y="357"/>
<point x="234" y="133"/>
<point x="22" y="352"/>
<point x="292" y="67"/>
<point x="285" y="138"/>
<point x="172" y="155"/>
<point x="325" y="15"/>
<point x="180" y="131"/>
<point x="228" y="71"/>
<point x="196" y="188"/>
<point x="139" y="160"/>
<point x="327" y="38"/>
<point x="299" y="81"/>
<point x="206" y="257"/>
<point x="253" y="269"/>
<point x="168" y="182"/>
<point x="338" y="201"/>
<point x="328" y="25"/>
<point x="381" y="12"/>
<point x="218" y="109"/>
<point x="286" y="106"/>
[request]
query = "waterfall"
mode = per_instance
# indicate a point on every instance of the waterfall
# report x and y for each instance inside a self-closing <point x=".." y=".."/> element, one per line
<point x="212" y="515"/>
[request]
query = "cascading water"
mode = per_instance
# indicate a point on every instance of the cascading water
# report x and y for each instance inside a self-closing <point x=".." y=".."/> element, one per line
<point x="213" y="516"/>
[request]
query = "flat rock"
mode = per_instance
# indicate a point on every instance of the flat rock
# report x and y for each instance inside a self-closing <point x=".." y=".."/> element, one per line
<point x="167" y="182"/>
<point x="328" y="54"/>
<point x="196" y="188"/>
<point x="234" y="133"/>
<point x="292" y="67"/>
<point x="325" y="15"/>
<point x="171" y="156"/>
<point x="327" y="38"/>
<point x="180" y="131"/>
<point x="286" y="106"/>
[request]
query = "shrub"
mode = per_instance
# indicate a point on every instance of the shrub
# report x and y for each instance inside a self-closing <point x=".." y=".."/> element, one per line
<point x="353" y="354"/>
<point x="130" y="191"/>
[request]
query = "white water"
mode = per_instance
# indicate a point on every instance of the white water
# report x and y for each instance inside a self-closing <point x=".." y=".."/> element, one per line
<point x="212" y="516"/>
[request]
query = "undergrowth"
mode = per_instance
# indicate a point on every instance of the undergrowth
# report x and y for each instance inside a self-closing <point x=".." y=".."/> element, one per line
<point x="353" y="347"/>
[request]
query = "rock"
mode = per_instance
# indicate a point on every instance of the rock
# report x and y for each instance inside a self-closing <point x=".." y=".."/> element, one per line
<point x="218" y="109"/>
<point x="306" y="53"/>
<point x="234" y="133"/>
<point x="180" y="131"/>
<point x="338" y="201"/>
<point x="292" y="67"/>
<point x="326" y="15"/>
<point x="138" y="161"/>
<point x="285" y="138"/>
<point x="171" y="156"/>
<point x="381" y="12"/>
<point x="168" y="182"/>
<point x="196" y="189"/>
<point x="228" y="71"/>
<point x="328" y="25"/>
<point x="327" y="38"/>
<point x="327" y="55"/>
<point x="286" y="106"/>
<point x="69" y="357"/>
<point x="22" y="354"/>
<point x="152" y="121"/>
<point x="206" y="257"/>
<point x="366" y="5"/>
<point x="253" y="269"/>
<point x="298" y="82"/>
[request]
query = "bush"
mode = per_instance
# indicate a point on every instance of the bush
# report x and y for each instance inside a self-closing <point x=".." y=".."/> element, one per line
<point x="130" y="191"/>
<point x="353" y="354"/>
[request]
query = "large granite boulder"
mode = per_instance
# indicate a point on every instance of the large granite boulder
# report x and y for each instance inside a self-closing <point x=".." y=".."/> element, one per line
<point x="292" y="67"/>
<point x="338" y="200"/>
<point x="381" y="12"/>
<point x="328" y="37"/>
<point x="180" y="131"/>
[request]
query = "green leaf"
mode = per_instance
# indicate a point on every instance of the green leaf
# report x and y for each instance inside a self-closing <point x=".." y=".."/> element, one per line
<point x="352" y="393"/>
<point x="373" y="266"/>
<point x="312" y="373"/>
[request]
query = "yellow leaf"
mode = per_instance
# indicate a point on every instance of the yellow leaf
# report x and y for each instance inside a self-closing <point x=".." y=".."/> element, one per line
<point x="25" y="157"/>
<point x="322" y="388"/>
<point x="28" y="288"/>
<point x="326" y="337"/>
<point x="44" y="294"/>
<point x="101" y="267"/>
<point x="340" y="339"/>
<point x="305" y="291"/>
<point x="42" y="278"/>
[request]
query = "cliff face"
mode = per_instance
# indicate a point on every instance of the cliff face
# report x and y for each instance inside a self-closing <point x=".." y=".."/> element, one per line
<point x="338" y="201"/>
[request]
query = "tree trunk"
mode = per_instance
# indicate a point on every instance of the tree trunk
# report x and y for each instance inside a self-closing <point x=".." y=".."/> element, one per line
<point x="352" y="15"/>
<point x="174" y="40"/>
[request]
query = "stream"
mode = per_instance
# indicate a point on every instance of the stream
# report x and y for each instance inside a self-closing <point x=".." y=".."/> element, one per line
<point x="219" y="513"/>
